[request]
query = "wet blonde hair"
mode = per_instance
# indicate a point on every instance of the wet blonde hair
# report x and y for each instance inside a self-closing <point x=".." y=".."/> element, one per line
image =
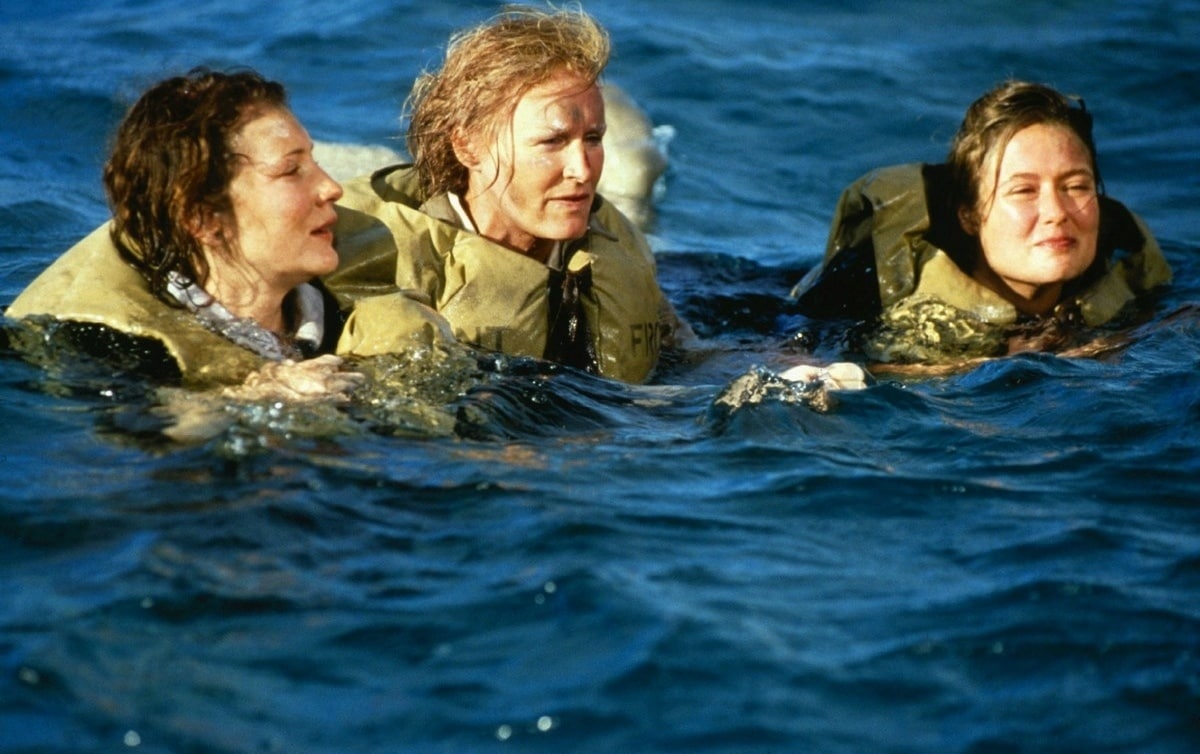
<point x="488" y="68"/>
<point x="990" y="124"/>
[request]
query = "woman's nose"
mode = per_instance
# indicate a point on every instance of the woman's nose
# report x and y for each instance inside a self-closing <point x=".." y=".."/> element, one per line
<point x="330" y="190"/>
<point x="1054" y="204"/>
<point x="578" y="163"/>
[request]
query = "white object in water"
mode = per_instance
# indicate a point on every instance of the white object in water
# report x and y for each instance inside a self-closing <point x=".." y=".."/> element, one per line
<point x="635" y="157"/>
<point x="840" y="375"/>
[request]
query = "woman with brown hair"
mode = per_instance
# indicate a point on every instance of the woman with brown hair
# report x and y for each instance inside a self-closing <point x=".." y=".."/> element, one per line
<point x="221" y="224"/>
<point x="1014" y="229"/>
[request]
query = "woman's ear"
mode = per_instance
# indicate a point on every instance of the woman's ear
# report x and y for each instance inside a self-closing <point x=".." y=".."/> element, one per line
<point x="464" y="149"/>
<point x="207" y="227"/>
<point x="968" y="221"/>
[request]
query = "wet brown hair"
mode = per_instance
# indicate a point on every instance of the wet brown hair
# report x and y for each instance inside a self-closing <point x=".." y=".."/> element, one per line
<point x="488" y="68"/>
<point x="170" y="167"/>
<point x="990" y="124"/>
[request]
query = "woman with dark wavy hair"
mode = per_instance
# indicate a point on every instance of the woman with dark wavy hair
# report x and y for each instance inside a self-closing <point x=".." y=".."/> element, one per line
<point x="221" y="222"/>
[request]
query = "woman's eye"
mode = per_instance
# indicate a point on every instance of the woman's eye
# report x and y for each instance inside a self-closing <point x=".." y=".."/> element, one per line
<point x="283" y="170"/>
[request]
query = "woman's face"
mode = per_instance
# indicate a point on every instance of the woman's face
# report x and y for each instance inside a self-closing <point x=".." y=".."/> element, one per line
<point x="1041" y="220"/>
<point x="281" y="224"/>
<point x="535" y="183"/>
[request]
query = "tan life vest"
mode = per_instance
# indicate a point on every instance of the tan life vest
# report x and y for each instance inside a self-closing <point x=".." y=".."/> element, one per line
<point x="91" y="283"/>
<point x="491" y="296"/>
<point x="892" y="227"/>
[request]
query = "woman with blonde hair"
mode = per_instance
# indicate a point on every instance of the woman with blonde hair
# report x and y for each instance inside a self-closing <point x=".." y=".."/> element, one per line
<point x="497" y="226"/>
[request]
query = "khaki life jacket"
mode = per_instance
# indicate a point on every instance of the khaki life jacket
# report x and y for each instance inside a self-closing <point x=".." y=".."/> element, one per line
<point x="91" y="283"/>
<point x="895" y="235"/>
<point x="488" y="295"/>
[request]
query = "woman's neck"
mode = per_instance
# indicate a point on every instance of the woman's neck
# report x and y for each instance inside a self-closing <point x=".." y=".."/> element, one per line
<point x="1030" y="299"/>
<point x="480" y="217"/>
<point x="246" y="295"/>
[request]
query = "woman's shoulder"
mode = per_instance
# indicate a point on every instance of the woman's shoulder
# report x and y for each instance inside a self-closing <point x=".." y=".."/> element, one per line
<point x="102" y="306"/>
<point x="394" y="184"/>
<point x="385" y="212"/>
<point x="81" y="282"/>
<point x="612" y="232"/>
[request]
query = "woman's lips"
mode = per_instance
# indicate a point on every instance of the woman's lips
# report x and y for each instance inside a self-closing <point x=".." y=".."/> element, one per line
<point x="1058" y="243"/>
<point x="326" y="230"/>
<point x="575" y="200"/>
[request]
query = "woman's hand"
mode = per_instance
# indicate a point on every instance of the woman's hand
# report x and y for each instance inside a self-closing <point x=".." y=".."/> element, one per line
<point x="310" y="380"/>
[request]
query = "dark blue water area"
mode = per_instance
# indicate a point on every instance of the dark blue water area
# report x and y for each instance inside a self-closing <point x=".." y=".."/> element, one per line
<point x="1003" y="560"/>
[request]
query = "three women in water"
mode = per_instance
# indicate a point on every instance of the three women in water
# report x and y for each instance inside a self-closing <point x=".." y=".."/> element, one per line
<point x="221" y="246"/>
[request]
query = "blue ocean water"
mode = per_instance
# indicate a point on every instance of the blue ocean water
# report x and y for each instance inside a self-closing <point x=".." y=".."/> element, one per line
<point x="1006" y="560"/>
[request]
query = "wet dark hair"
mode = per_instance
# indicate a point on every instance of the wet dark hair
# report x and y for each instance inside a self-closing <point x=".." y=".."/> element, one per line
<point x="170" y="167"/>
<point x="990" y="124"/>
